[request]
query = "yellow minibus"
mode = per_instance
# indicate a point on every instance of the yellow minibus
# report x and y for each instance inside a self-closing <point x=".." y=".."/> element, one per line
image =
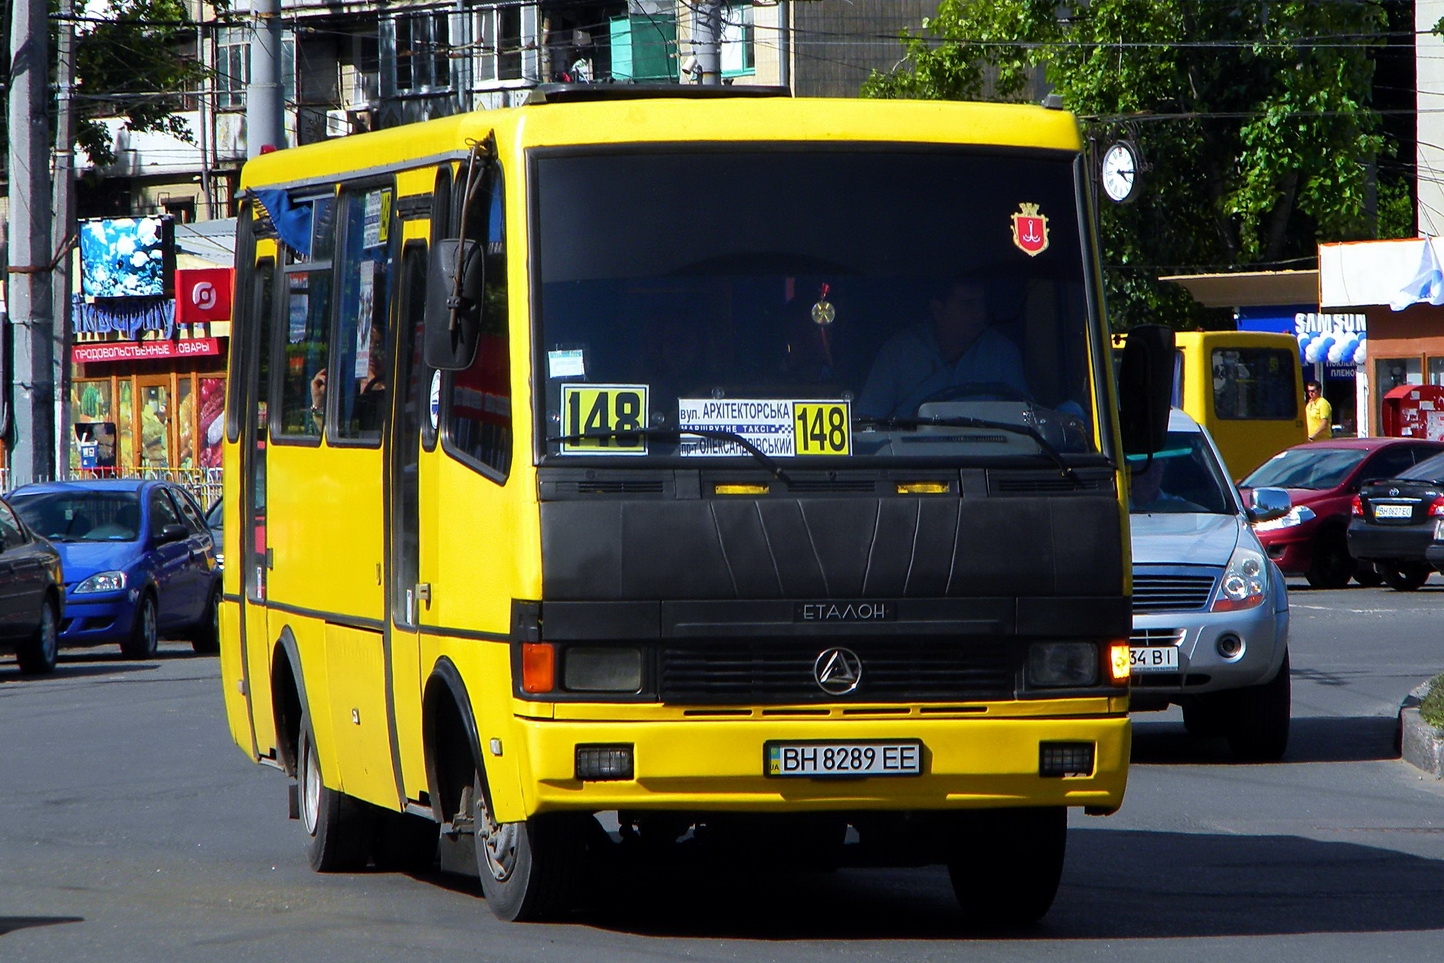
<point x="642" y="464"/>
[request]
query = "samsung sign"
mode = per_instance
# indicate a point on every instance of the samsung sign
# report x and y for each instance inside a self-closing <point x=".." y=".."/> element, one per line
<point x="1339" y="340"/>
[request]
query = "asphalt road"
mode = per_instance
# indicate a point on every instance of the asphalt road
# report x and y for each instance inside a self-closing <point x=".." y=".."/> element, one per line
<point x="132" y="829"/>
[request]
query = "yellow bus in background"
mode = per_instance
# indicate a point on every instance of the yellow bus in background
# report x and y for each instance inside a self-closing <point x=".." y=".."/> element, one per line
<point x="1245" y="387"/>
<point x="551" y="491"/>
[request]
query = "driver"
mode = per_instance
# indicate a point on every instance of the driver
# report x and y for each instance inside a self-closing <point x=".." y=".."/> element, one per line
<point x="957" y="348"/>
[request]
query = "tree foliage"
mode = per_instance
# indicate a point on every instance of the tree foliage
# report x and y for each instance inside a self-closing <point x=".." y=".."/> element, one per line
<point x="129" y="65"/>
<point x="1253" y="119"/>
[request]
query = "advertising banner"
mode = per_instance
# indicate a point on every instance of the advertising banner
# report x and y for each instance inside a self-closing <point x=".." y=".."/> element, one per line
<point x="203" y="294"/>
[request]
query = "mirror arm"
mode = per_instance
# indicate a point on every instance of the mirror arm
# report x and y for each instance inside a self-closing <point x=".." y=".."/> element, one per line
<point x="486" y="148"/>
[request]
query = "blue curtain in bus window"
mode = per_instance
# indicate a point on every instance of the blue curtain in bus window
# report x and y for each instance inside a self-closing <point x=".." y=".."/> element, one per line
<point x="291" y="221"/>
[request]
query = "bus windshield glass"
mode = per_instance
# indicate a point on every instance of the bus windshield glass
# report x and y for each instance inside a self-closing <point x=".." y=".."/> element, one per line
<point x="860" y="302"/>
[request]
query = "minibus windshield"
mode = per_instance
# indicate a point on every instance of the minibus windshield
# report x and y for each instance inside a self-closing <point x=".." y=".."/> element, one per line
<point x="861" y="302"/>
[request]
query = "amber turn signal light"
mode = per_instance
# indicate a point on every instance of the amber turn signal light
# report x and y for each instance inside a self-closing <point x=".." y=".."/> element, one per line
<point x="538" y="667"/>
<point x="1119" y="661"/>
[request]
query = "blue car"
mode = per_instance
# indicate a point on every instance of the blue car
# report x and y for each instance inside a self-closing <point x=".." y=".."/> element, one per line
<point x="138" y="559"/>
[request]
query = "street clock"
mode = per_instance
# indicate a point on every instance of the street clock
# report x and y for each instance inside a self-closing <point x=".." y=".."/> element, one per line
<point x="1119" y="171"/>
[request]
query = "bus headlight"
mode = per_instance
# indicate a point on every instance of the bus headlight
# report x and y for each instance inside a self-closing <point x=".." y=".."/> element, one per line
<point x="1245" y="581"/>
<point x="1053" y="665"/>
<point x="597" y="668"/>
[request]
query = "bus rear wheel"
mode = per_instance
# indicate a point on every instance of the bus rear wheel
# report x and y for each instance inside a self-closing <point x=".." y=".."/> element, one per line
<point x="530" y="870"/>
<point x="338" y="836"/>
<point x="1005" y="864"/>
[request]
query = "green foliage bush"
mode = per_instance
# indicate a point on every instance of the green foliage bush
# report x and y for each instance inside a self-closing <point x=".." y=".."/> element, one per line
<point x="1431" y="710"/>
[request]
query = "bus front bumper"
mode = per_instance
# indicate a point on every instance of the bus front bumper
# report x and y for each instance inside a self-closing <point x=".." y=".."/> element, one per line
<point x="717" y="765"/>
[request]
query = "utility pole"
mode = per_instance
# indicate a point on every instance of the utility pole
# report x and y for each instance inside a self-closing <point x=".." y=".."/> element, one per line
<point x="32" y="391"/>
<point x="707" y="40"/>
<point x="784" y="45"/>
<point x="62" y="229"/>
<point x="264" y="125"/>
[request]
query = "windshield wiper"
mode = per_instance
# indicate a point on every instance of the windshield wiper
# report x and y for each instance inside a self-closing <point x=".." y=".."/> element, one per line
<point x="676" y="434"/>
<point x="962" y="421"/>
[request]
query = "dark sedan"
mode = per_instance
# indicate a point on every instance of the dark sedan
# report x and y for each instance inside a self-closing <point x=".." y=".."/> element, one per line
<point x="1398" y="524"/>
<point x="1322" y="478"/>
<point x="139" y="561"/>
<point x="32" y="593"/>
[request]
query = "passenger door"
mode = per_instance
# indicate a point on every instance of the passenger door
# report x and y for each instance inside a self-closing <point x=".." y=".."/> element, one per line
<point x="11" y="590"/>
<point x="406" y="598"/>
<point x="170" y="561"/>
<point x="23" y="577"/>
<point x="200" y="573"/>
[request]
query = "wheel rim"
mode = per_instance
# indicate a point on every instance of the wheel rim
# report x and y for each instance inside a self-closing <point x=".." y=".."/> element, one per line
<point x="148" y="626"/>
<point x="49" y="636"/>
<point x="497" y="842"/>
<point x="310" y="789"/>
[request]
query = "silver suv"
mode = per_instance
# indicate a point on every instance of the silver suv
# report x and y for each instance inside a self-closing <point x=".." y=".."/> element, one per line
<point x="1210" y="610"/>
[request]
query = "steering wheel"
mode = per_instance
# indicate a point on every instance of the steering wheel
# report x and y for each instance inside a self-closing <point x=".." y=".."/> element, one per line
<point x="991" y="390"/>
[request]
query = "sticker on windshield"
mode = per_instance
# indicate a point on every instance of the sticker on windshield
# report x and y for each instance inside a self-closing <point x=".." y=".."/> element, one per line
<point x="774" y="427"/>
<point x="604" y="414"/>
<point x="823" y="428"/>
<point x="1030" y="230"/>
<point x="566" y="363"/>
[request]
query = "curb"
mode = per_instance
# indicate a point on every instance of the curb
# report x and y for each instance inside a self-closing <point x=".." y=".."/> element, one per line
<point x="1421" y="745"/>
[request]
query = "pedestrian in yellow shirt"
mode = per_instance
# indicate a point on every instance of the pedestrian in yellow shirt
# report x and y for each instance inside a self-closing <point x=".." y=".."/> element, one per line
<point x="1318" y="413"/>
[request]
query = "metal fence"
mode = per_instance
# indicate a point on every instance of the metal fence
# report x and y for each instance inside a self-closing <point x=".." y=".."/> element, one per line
<point x="203" y="483"/>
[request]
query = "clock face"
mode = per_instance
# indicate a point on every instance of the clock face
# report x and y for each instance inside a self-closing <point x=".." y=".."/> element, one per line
<point x="1120" y="170"/>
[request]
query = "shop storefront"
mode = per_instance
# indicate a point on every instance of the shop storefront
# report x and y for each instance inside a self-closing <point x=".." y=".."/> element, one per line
<point x="1332" y="347"/>
<point x="1388" y="282"/>
<point x="148" y="344"/>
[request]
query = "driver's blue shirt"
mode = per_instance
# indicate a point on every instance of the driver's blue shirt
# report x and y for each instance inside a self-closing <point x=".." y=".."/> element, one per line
<point x="910" y="368"/>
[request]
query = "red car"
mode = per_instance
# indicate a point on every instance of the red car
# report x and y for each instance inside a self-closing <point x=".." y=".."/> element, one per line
<point x="1322" y="478"/>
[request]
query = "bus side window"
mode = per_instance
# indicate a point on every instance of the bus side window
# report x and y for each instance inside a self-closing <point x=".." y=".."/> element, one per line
<point x="307" y="330"/>
<point x="479" y="423"/>
<point x="363" y="292"/>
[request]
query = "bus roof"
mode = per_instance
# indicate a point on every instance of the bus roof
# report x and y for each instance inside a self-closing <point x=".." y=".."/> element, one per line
<point x="561" y="119"/>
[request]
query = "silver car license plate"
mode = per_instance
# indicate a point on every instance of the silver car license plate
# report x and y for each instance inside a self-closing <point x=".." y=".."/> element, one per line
<point x="1153" y="658"/>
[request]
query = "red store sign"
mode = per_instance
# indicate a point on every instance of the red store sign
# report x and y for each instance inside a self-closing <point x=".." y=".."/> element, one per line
<point x="133" y="350"/>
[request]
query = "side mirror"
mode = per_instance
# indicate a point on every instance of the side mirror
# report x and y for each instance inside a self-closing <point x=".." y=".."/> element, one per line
<point x="454" y="284"/>
<point x="174" y="532"/>
<point x="1268" y="504"/>
<point x="1145" y="388"/>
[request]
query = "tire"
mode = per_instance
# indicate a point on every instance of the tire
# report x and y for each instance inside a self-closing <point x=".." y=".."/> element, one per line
<point x="1405" y="576"/>
<point x="1204" y="716"/>
<point x="1005" y="864"/>
<point x="37" y="654"/>
<point x="530" y="871"/>
<point x="404" y="843"/>
<point x="1368" y="575"/>
<point x="1258" y="727"/>
<point x="206" y="635"/>
<point x="1332" y="565"/>
<point x="145" y="635"/>
<point x="338" y="827"/>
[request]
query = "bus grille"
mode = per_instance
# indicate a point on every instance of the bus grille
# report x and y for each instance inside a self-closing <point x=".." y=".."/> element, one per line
<point x="774" y="671"/>
<point x="1156" y="593"/>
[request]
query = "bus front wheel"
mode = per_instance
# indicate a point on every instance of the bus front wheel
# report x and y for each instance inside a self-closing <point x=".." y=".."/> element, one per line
<point x="529" y="870"/>
<point x="1005" y="864"/>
